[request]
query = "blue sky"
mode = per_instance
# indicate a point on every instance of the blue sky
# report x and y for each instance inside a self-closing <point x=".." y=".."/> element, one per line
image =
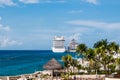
<point x="32" y="24"/>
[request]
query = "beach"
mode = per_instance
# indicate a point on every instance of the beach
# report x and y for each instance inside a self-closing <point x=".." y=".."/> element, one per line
<point x="40" y="76"/>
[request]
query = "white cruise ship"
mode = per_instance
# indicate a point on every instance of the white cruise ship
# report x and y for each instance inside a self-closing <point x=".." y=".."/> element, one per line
<point x="72" y="46"/>
<point x="58" y="44"/>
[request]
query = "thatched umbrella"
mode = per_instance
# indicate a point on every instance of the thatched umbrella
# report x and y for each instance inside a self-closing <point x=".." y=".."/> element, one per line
<point x="53" y="65"/>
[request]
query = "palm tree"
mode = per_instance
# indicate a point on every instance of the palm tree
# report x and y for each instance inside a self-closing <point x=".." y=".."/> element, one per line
<point x="106" y="51"/>
<point x="67" y="60"/>
<point x="90" y="53"/>
<point x="74" y="64"/>
<point x="81" y="50"/>
<point x="112" y="68"/>
<point x="90" y="57"/>
<point x="113" y="47"/>
<point x="103" y="44"/>
<point x="79" y="66"/>
<point x="102" y="53"/>
<point x="100" y="50"/>
<point x="104" y="62"/>
<point x="118" y="63"/>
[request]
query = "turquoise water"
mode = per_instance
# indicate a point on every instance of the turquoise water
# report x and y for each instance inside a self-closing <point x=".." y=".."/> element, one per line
<point x="26" y="61"/>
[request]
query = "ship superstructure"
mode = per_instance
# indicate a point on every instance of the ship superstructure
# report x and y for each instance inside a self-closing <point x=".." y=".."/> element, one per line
<point x="72" y="46"/>
<point x="58" y="44"/>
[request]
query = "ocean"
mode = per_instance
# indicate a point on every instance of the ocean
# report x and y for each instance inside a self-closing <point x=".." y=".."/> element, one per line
<point x="17" y="62"/>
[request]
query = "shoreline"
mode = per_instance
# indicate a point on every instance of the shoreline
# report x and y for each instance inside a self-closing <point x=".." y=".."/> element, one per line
<point x="38" y="75"/>
<point x="30" y="75"/>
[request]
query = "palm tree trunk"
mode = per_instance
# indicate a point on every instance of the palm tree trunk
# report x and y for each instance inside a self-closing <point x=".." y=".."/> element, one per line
<point x="119" y="69"/>
<point x="105" y="69"/>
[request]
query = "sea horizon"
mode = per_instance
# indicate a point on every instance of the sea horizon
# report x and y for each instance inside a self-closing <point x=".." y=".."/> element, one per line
<point x="26" y="50"/>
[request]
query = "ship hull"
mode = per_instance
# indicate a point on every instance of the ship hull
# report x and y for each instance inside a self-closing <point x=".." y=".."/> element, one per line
<point x="58" y="50"/>
<point x="71" y="50"/>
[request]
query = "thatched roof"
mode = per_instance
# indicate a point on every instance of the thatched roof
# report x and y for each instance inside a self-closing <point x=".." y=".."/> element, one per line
<point x="53" y="65"/>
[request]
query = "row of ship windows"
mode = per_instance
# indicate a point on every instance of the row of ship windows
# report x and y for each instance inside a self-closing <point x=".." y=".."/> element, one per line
<point x="59" y="46"/>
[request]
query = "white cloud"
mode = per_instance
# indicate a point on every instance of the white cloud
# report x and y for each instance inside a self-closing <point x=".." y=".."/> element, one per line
<point x="29" y="1"/>
<point x="4" y="28"/>
<point x="75" y="36"/>
<point x="96" y="24"/>
<point x="7" y="3"/>
<point x="5" y="41"/>
<point x="52" y="1"/>
<point x="12" y="3"/>
<point x="75" y="11"/>
<point x="95" y="2"/>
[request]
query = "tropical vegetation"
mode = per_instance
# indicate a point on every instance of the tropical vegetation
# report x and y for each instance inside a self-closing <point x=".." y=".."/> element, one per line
<point x="101" y="58"/>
